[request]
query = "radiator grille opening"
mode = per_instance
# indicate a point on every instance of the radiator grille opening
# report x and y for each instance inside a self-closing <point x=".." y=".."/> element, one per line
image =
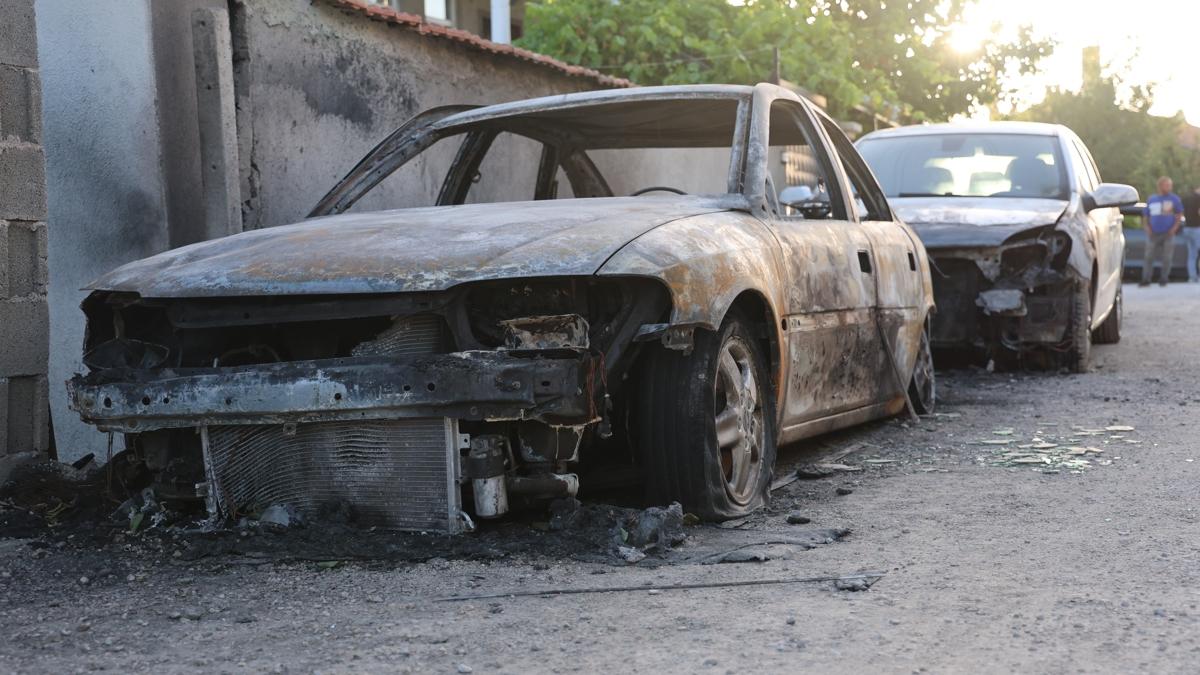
<point x="408" y="336"/>
<point x="394" y="474"/>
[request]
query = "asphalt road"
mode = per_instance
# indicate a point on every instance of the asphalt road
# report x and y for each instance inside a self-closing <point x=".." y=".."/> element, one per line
<point x="1065" y="543"/>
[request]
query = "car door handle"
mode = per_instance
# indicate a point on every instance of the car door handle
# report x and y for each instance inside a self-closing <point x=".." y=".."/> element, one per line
<point x="864" y="261"/>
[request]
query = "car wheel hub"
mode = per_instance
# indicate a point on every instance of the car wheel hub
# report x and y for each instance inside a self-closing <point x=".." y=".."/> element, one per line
<point x="739" y="421"/>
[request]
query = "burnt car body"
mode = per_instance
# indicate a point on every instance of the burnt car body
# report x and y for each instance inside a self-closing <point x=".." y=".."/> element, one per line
<point x="423" y="363"/>
<point x="1026" y="241"/>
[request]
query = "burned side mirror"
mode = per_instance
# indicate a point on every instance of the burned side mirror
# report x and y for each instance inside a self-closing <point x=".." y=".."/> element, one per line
<point x="802" y="199"/>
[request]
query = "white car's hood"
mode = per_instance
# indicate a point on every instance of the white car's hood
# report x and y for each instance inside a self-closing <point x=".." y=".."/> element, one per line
<point x="975" y="221"/>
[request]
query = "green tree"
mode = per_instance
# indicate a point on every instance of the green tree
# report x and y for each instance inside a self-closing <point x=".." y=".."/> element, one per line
<point x="883" y="54"/>
<point x="1128" y="143"/>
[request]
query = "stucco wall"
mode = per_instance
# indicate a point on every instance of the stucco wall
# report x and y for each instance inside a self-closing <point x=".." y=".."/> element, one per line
<point x="24" y="423"/>
<point x="175" y="81"/>
<point x="104" y="158"/>
<point x="321" y="87"/>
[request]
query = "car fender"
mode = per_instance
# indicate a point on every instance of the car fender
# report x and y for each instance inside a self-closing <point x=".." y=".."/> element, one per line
<point x="707" y="261"/>
<point x="1076" y="225"/>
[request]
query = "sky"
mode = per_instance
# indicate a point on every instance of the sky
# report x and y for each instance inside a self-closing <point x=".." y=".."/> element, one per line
<point x="1158" y="39"/>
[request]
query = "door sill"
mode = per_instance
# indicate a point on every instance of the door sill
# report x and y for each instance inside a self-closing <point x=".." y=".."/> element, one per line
<point x="797" y="432"/>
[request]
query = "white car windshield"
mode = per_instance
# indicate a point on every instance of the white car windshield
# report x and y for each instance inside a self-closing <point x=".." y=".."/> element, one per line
<point x="967" y="165"/>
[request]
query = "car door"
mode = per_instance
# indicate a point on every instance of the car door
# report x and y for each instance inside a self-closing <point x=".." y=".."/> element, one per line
<point x="1110" y="240"/>
<point x="899" y="268"/>
<point x="830" y="295"/>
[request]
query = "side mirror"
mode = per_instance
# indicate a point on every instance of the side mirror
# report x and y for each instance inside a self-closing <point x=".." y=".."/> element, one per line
<point x="1107" y="195"/>
<point x="813" y="206"/>
<point x="795" y="195"/>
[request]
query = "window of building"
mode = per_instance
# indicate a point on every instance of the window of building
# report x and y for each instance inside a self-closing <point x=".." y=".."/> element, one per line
<point x="438" y="10"/>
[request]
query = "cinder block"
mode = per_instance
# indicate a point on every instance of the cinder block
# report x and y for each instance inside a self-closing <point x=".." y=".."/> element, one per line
<point x="20" y="104"/>
<point x="41" y="275"/>
<point x="26" y="256"/>
<point x="18" y="33"/>
<point x="4" y="259"/>
<point x="22" y="182"/>
<point x="40" y="417"/>
<point x="4" y="415"/>
<point x="27" y="421"/>
<point x="24" y="336"/>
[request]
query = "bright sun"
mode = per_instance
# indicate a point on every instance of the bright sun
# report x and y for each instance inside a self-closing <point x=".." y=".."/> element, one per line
<point x="1151" y="44"/>
<point x="967" y="37"/>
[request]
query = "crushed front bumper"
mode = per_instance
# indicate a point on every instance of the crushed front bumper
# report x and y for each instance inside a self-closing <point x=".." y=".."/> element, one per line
<point x="550" y="386"/>
<point x="378" y="434"/>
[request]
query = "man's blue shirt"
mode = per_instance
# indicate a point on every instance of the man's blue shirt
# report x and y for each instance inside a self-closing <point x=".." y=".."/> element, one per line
<point x="1162" y="210"/>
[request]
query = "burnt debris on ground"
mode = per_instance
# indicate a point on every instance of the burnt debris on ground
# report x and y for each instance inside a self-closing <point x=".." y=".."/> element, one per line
<point x="55" y="506"/>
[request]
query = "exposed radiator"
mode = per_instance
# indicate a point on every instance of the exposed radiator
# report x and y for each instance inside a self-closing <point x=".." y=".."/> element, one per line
<point x="394" y="474"/>
<point x="407" y="336"/>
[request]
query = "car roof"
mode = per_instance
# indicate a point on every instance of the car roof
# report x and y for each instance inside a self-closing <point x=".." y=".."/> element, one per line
<point x="1014" y="128"/>
<point x="671" y="116"/>
<point x="603" y="96"/>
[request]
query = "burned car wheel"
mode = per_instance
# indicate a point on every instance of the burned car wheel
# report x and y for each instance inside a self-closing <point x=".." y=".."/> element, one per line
<point x="1109" y="332"/>
<point x="705" y="426"/>
<point x="1079" y="331"/>
<point x="922" y="388"/>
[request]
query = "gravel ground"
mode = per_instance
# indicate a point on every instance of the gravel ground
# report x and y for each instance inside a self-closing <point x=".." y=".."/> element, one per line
<point x="997" y="558"/>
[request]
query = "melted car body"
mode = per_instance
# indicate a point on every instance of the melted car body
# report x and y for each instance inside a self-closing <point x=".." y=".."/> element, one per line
<point x="430" y="364"/>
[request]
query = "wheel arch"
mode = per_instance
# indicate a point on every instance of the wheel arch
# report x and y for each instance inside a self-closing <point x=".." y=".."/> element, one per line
<point x="709" y="263"/>
<point x="768" y="328"/>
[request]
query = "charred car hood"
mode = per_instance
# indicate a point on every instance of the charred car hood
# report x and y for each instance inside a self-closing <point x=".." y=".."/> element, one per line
<point x="405" y="250"/>
<point x="957" y="222"/>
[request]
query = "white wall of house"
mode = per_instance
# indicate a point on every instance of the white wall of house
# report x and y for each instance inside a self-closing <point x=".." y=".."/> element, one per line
<point x="104" y="171"/>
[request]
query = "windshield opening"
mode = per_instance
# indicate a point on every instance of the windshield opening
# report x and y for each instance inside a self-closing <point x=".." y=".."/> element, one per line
<point x="968" y="165"/>
<point x="651" y="147"/>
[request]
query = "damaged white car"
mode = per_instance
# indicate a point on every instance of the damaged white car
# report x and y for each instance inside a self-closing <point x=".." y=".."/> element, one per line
<point x="1026" y="241"/>
<point x="529" y="332"/>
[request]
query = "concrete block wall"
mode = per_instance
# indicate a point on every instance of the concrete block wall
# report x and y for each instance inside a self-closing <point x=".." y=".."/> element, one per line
<point x="24" y="322"/>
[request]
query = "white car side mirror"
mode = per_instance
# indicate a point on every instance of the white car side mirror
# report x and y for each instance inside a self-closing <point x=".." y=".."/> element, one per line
<point x="1107" y="195"/>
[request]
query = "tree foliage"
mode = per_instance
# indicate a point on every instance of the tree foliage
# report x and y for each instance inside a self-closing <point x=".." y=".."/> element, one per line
<point x="891" y="56"/>
<point x="1128" y="143"/>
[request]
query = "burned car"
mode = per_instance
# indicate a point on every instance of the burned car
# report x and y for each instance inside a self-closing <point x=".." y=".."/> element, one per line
<point x="529" y="331"/>
<point x="1026" y="241"/>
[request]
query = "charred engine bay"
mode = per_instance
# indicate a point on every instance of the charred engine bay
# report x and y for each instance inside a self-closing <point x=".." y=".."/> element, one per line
<point x="1011" y="302"/>
<point x="424" y="411"/>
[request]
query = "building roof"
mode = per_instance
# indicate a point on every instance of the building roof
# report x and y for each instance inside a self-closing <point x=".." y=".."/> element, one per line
<point x="1025" y="128"/>
<point x="472" y="41"/>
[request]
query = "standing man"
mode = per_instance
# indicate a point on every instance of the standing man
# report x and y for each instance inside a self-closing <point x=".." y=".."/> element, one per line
<point x="1164" y="211"/>
<point x="1191" y="231"/>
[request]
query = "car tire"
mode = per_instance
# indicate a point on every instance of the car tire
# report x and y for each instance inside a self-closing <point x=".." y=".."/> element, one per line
<point x="1079" y="330"/>
<point x="1109" y="332"/>
<point x="704" y="423"/>
<point x="922" y="386"/>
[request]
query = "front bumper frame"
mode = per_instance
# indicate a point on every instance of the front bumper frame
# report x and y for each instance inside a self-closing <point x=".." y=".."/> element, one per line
<point x="551" y="386"/>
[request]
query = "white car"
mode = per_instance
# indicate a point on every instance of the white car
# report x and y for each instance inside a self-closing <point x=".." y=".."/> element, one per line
<point x="1024" y="239"/>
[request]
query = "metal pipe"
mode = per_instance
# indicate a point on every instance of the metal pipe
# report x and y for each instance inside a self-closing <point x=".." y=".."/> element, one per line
<point x="545" y="485"/>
